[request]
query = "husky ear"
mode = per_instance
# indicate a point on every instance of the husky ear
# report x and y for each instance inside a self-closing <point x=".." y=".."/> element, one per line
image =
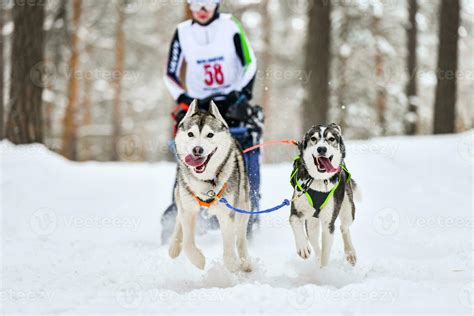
<point x="300" y="146"/>
<point x="193" y="109"/>
<point x="215" y="111"/>
<point x="336" y="127"/>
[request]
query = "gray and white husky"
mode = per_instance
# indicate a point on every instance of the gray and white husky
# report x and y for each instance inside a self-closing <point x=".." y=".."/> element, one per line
<point x="324" y="191"/>
<point x="210" y="165"/>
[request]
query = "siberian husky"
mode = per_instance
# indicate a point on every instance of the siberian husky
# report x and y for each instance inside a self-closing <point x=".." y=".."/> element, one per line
<point x="210" y="166"/>
<point x="323" y="192"/>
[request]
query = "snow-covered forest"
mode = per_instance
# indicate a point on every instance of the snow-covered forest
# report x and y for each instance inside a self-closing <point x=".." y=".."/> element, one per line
<point x="106" y="57"/>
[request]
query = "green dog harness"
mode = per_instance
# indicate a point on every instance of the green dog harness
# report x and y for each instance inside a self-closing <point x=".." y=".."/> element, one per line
<point x="315" y="198"/>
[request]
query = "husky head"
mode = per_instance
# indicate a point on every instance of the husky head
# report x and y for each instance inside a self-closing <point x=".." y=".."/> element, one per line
<point x="203" y="141"/>
<point x="323" y="151"/>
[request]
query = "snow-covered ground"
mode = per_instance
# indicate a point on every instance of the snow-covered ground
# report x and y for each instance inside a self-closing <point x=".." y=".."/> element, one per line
<point x="85" y="238"/>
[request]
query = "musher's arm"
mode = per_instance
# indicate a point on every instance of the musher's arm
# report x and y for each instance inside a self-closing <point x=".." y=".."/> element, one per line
<point x="247" y="57"/>
<point x="173" y="71"/>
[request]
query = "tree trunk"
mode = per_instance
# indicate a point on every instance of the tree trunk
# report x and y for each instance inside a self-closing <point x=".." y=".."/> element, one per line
<point x="445" y="102"/>
<point x="411" y="121"/>
<point x="119" y="68"/>
<point x="267" y="60"/>
<point x="316" y="105"/>
<point x="61" y="35"/>
<point x="187" y="12"/>
<point x="2" y="118"/>
<point x="25" y="124"/>
<point x="69" y="149"/>
<point x="343" y="57"/>
<point x="86" y="105"/>
<point x="380" y="99"/>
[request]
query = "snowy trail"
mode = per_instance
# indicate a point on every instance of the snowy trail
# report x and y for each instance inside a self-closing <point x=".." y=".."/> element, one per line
<point x="85" y="238"/>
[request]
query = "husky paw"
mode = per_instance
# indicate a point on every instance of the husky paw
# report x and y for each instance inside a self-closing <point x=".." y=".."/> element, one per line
<point x="174" y="249"/>
<point x="231" y="263"/>
<point x="246" y="265"/>
<point x="351" y="257"/>
<point x="196" y="257"/>
<point x="303" y="251"/>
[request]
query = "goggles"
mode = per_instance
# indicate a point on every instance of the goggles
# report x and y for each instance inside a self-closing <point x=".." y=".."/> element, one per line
<point x="199" y="5"/>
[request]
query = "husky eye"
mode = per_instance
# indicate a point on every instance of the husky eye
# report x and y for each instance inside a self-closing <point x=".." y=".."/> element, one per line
<point x="190" y="134"/>
<point x="331" y="139"/>
<point x="313" y="139"/>
<point x="210" y="135"/>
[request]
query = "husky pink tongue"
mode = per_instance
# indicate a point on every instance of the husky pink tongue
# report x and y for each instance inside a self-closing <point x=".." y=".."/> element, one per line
<point x="193" y="161"/>
<point x="326" y="163"/>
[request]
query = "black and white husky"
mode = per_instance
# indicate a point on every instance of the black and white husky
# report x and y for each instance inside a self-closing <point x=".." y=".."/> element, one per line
<point x="210" y="165"/>
<point x="324" y="191"/>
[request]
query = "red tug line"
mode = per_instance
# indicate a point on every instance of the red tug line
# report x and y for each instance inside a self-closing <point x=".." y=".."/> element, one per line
<point x="271" y="142"/>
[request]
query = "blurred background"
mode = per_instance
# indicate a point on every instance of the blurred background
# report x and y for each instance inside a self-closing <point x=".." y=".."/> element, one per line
<point x="88" y="84"/>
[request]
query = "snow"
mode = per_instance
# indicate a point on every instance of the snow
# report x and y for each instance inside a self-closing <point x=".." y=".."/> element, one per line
<point x="85" y="238"/>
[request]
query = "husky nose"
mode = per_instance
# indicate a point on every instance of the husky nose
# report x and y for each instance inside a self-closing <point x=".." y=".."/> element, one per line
<point x="322" y="150"/>
<point x="198" y="151"/>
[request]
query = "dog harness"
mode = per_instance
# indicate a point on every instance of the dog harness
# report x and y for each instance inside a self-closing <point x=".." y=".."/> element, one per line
<point x="213" y="197"/>
<point x="315" y="198"/>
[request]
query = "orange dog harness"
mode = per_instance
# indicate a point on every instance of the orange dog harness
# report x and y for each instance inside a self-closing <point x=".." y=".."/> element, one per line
<point x="213" y="197"/>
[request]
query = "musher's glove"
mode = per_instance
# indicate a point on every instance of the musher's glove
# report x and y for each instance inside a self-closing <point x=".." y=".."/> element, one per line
<point x="185" y="98"/>
<point x="179" y="112"/>
<point x="239" y="108"/>
<point x="232" y="97"/>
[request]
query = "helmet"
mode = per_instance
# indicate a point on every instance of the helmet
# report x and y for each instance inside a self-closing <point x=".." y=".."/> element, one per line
<point x="196" y="5"/>
<point x="204" y="1"/>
